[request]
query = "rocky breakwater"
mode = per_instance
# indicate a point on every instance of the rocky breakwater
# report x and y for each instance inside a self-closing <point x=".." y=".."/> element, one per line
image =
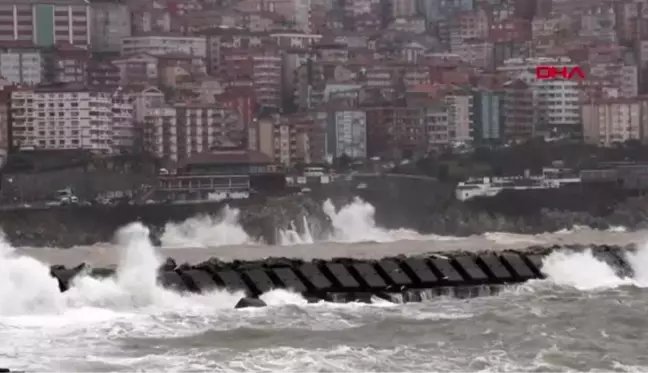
<point x="66" y="226"/>
<point x="397" y="279"/>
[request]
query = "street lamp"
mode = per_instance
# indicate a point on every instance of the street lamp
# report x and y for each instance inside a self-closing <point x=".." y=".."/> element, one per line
<point x="10" y="180"/>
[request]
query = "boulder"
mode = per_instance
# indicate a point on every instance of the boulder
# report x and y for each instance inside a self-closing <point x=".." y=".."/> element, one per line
<point x="250" y="302"/>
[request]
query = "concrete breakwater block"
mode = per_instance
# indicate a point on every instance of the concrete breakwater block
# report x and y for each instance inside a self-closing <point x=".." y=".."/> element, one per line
<point x="398" y="279"/>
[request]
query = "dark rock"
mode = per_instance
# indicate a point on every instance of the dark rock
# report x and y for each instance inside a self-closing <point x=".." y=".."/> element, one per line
<point x="86" y="225"/>
<point x="395" y="279"/>
<point x="168" y="265"/>
<point x="250" y="302"/>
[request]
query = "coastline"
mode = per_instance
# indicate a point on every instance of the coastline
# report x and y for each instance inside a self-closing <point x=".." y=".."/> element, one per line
<point x="425" y="206"/>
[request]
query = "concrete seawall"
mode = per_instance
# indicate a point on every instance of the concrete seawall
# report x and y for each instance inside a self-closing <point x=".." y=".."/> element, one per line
<point x="421" y="204"/>
<point x="68" y="226"/>
<point x="397" y="279"/>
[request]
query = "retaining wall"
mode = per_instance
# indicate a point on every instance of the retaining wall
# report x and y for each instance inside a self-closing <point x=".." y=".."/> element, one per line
<point x="397" y="279"/>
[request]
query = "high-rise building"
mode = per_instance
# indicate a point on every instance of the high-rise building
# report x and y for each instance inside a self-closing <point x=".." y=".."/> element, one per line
<point x="45" y="22"/>
<point x="555" y="101"/>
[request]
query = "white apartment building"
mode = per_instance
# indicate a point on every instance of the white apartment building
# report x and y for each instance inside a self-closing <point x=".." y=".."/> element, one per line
<point x="556" y="101"/>
<point x="161" y="132"/>
<point x="476" y="52"/>
<point x="81" y="119"/>
<point x="347" y="133"/>
<point x="460" y="120"/>
<point x="160" y="45"/>
<point x="123" y="125"/>
<point x="178" y="132"/>
<point x="22" y="66"/>
<point x="608" y="122"/>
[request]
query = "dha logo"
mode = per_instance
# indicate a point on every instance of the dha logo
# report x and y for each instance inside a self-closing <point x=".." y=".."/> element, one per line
<point x="558" y="72"/>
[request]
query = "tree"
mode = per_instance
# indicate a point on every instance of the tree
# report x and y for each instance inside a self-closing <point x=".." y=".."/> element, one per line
<point x="344" y="162"/>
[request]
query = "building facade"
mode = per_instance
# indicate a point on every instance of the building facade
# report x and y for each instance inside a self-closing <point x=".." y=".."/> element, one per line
<point x="22" y="66"/>
<point x="111" y="22"/>
<point x="614" y="121"/>
<point x="177" y="132"/>
<point x="165" y="44"/>
<point x="276" y="137"/>
<point x="556" y="101"/>
<point x="45" y="23"/>
<point x="161" y="132"/>
<point x="347" y="133"/>
<point x="487" y="115"/>
<point x="98" y="121"/>
<point x="460" y="120"/>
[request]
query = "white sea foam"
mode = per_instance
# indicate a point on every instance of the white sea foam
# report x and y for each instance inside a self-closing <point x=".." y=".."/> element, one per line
<point x="122" y="323"/>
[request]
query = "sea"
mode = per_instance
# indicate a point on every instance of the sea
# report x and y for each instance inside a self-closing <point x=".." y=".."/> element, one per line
<point x="582" y="318"/>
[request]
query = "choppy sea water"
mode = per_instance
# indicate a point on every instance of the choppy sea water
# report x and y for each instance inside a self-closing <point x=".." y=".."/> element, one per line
<point x="582" y="318"/>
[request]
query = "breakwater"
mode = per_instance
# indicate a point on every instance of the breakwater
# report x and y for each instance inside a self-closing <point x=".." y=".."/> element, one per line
<point x="397" y="279"/>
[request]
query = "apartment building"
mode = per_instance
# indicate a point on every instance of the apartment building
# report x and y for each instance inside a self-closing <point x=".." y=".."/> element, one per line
<point x="45" y="23"/>
<point x="111" y="22"/>
<point x="403" y="8"/>
<point x="22" y="66"/>
<point x="144" y="100"/>
<point x="262" y="68"/>
<point x="138" y="69"/>
<point x="5" y="125"/>
<point x="460" y="119"/>
<point x="165" y="44"/>
<point x="436" y="125"/>
<point x="620" y="79"/>
<point x="346" y="133"/>
<point x="469" y="25"/>
<point x="487" y="115"/>
<point x="98" y="121"/>
<point x="476" y="52"/>
<point x="161" y="132"/>
<point x="556" y="101"/>
<point x="613" y="121"/>
<point x="517" y="110"/>
<point x="276" y="137"/>
<point x="177" y="132"/>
